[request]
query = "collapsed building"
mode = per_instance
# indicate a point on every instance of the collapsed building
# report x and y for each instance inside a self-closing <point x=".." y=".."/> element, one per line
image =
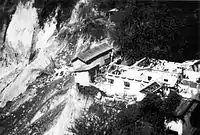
<point x="150" y="75"/>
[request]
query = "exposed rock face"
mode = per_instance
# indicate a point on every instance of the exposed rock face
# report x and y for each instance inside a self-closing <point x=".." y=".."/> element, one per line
<point x="34" y="99"/>
<point x="20" y="29"/>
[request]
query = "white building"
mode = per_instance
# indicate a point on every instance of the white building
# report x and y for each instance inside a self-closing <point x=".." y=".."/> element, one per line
<point x="133" y="79"/>
<point x="86" y="64"/>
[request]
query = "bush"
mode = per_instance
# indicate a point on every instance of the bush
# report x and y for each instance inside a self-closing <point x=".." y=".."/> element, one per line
<point x="169" y="106"/>
<point x="99" y="119"/>
<point x="113" y="118"/>
<point x="90" y="91"/>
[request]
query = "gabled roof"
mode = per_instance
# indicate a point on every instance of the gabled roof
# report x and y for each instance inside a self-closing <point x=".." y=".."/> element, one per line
<point x="92" y="53"/>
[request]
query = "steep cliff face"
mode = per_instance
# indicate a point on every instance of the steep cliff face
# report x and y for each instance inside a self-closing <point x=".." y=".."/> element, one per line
<point x="35" y="97"/>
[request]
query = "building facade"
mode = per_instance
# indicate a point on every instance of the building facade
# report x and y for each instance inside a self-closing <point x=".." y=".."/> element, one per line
<point x="86" y="64"/>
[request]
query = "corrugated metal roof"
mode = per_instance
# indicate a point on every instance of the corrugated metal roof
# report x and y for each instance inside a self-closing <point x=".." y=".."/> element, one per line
<point x="150" y="88"/>
<point x="94" y="52"/>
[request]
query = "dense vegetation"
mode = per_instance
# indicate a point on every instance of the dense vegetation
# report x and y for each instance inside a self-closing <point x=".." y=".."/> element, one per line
<point x="164" y="30"/>
<point x="154" y="29"/>
<point x="114" y="118"/>
<point x="89" y="91"/>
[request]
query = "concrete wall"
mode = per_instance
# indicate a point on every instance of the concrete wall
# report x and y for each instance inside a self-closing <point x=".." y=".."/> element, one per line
<point x="119" y="87"/>
<point x="82" y="78"/>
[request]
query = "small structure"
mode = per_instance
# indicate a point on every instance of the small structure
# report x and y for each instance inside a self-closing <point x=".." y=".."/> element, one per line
<point x="151" y="88"/>
<point x="86" y="64"/>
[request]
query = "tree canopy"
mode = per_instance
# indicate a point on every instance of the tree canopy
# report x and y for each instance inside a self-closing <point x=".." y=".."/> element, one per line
<point x="114" y="118"/>
<point x="155" y="29"/>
